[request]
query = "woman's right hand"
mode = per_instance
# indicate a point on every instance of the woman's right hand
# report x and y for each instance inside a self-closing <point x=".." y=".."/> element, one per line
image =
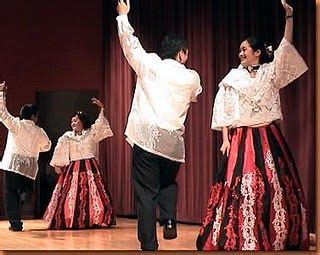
<point x="288" y="9"/>
<point x="58" y="169"/>
<point x="97" y="102"/>
<point x="225" y="147"/>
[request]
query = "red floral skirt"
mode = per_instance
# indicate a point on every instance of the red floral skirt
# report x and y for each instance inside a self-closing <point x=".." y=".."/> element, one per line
<point x="256" y="202"/>
<point x="80" y="199"/>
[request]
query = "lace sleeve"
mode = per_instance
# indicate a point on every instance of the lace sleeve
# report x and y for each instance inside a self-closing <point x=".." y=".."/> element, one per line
<point x="226" y="110"/>
<point x="101" y="128"/>
<point x="288" y="64"/>
<point x="61" y="152"/>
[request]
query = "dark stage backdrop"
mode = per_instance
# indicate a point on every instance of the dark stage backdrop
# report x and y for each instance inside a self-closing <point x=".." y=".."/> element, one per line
<point x="67" y="45"/>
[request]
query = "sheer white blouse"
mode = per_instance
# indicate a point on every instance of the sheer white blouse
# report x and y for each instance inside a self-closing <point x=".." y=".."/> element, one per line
<point x="245" y="101"/>
<point x="72" y="147"/>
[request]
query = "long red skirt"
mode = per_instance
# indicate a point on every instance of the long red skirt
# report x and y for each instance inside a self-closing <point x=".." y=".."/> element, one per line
<point x="256" y="202"/>
<point x="80" y="199"/>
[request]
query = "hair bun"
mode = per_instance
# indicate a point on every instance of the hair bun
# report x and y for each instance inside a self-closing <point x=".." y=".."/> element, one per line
<point x="269" y="48"/>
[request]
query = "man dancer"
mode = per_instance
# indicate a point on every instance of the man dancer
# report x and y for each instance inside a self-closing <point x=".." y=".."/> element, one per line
<point x="164" y="90"/>
<point x="24" y="142"/>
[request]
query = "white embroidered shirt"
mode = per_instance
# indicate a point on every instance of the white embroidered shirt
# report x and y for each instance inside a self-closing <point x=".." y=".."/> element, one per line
<point x="24" y="143"/>
<point x="163" y="93"/>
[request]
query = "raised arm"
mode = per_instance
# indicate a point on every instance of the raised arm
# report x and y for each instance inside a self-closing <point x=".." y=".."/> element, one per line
<point x="137" y="57"/>
<point x="101" y="127"/>
<point x="287" y="61"/>
<point x="288" y="31"/>
<point x="7" y="119"/>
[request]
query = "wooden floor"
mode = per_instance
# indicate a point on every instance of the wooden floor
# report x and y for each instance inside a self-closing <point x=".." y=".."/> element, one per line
<point x="122" y="237"/>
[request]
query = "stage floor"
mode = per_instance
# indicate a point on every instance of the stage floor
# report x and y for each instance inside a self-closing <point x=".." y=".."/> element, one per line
<point x="121" y="237"/>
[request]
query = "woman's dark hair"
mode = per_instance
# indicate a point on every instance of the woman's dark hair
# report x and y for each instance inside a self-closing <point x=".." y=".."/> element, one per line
<point x="27" y="111"/>
<point x="84" y="118"/>
<point x="171" y="45"/>
<point x="265" y="48"/>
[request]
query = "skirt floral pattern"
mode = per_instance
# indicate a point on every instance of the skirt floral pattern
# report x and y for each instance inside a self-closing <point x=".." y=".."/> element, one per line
<point x="256" y="201"/>
<point x="80" y="199"/>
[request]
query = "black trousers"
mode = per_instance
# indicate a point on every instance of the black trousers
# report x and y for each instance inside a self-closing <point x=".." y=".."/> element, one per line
<point x="16" y="187"/>
<point x="154" y="183"/>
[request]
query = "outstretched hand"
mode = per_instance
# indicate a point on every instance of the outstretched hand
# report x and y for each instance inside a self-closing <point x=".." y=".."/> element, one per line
<point x="97" y="102"/>
<point x="288" y="9"/>
<point x="122" y="7"/>
<point x="3" y="86"/>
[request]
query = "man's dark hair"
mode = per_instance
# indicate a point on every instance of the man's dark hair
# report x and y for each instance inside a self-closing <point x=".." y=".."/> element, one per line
<point x="27" y="111"/>
<point x="84" y="118"/>
<point x="171" y="45"/>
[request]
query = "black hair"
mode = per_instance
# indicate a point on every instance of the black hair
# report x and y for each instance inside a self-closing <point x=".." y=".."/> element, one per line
<point x="84" y="118"/>
<point x="27" y="111"/>
<point x="265" y="48"/>
<point x="171" y="45"/>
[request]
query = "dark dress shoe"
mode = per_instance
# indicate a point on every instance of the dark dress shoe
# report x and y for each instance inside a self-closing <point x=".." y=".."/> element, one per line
<point x="15" y="229"/>
<point x="169" y="229"/>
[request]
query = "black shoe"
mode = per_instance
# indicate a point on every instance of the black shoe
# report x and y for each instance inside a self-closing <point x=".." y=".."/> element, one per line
<point x="169" y="229"/>
<point x="15" y="225"/>
<point x="15" y="229"/>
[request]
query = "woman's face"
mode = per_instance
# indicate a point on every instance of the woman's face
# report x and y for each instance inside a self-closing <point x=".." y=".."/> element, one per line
<point x="76" y="124"/>
<point x="247" y="56"/>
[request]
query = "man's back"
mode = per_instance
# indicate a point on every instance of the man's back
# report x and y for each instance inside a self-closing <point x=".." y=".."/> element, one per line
<point x="24" y="143"/>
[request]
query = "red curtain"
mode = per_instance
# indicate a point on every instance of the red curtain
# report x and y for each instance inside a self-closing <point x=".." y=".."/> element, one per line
<point x="214" y="30"/>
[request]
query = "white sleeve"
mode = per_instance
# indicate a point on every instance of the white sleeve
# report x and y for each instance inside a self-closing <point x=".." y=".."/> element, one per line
<point x="288" y="64"/>
<point x="101" y="128"/>
<point x="61" y="154"/>
<point x="44" y="141"/>
<point x="11" y="123"/>
<point x="197" y="88"/>
<point x="226" y="111"/>
<point x="137" y="57"/>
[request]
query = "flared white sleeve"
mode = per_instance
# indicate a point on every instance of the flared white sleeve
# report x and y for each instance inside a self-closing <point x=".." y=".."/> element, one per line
<point x="101" y="128"/>
<point x="61" y="154"/>
<point x="288" y="64"/>
<point x="226" y="111"/>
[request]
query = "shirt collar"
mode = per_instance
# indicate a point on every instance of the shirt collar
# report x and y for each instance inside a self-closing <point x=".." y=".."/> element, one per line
<point x="28" y="121"/>
<point x="171" y="61"/>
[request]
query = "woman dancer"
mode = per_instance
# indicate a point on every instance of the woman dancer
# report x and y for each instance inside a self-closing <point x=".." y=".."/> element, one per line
<point x="257" y="202"/>
<point x="80" y="199"/>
